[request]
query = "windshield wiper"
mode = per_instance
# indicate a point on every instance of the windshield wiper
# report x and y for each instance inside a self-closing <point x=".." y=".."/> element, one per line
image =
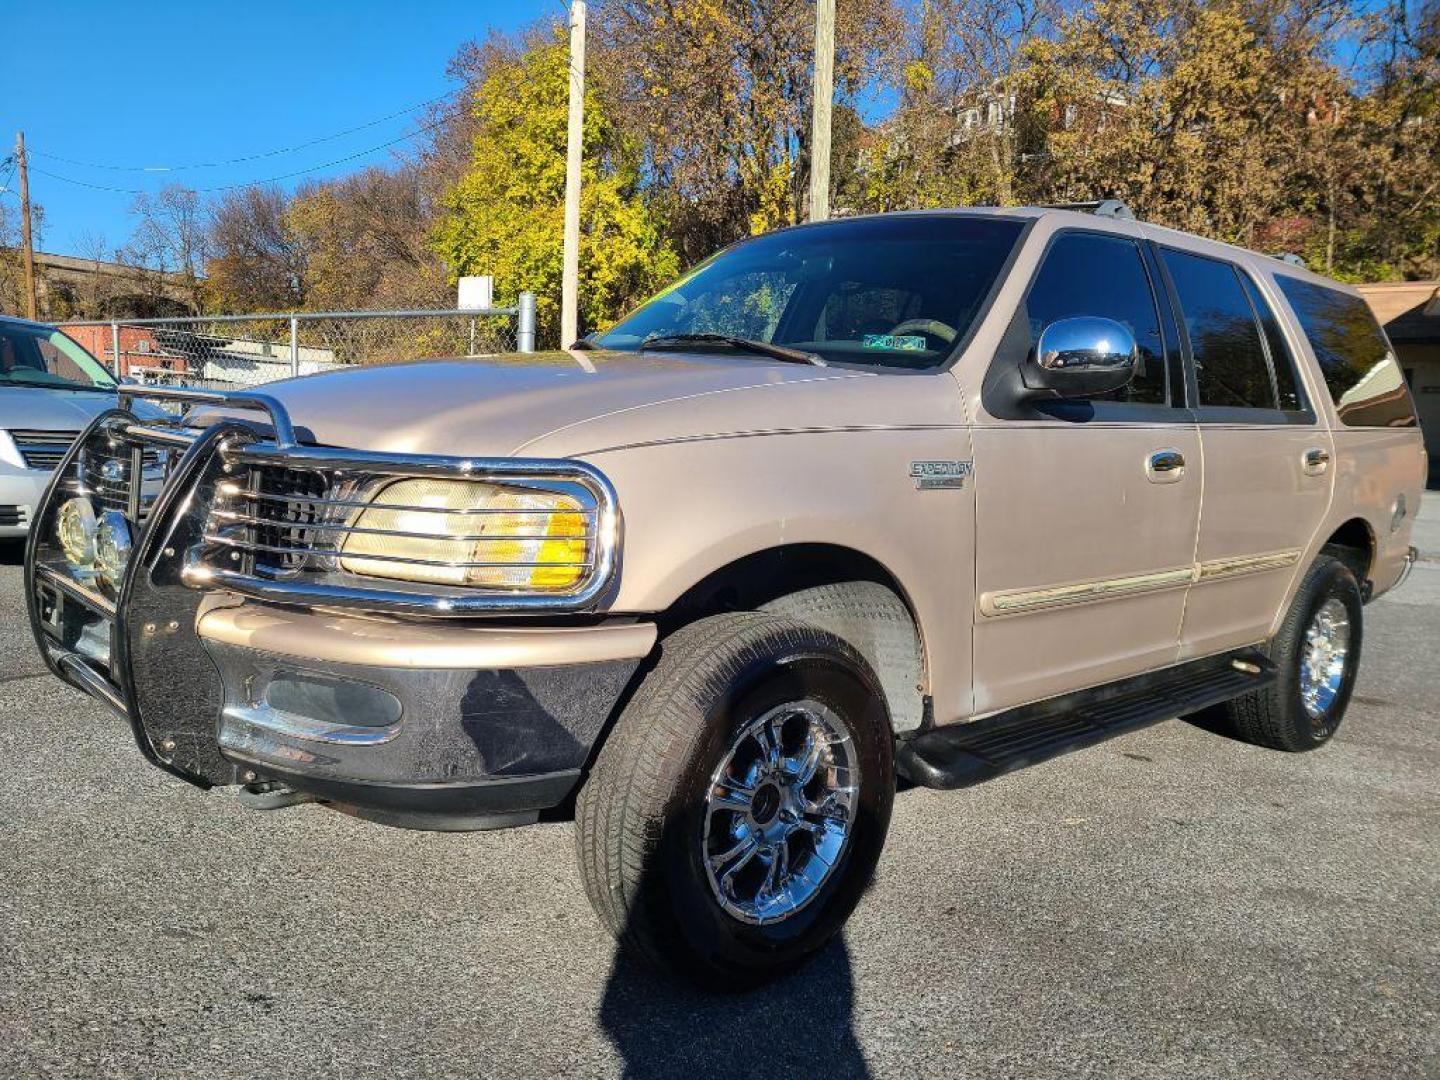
<point x="750" y="345"/>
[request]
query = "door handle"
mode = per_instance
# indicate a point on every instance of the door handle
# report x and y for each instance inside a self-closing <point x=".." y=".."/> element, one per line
<point x="1316" y="461"/>
<point x="1165" y="467"/>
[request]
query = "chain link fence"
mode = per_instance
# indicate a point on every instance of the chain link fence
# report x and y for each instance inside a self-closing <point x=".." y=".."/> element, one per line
<point x="225" y="352"/>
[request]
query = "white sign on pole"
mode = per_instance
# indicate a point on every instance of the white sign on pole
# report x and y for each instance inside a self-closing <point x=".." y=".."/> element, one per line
<point x="476" y="293"/>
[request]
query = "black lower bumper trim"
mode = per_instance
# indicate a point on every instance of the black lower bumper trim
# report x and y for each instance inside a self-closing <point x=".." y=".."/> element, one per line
<point x="496" y="803"/>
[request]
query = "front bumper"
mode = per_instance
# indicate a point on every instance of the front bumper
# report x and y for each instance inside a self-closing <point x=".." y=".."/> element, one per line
<point x="20" y="493"/>
<point x="436" y="727"/>
<point x="431" y="723"/>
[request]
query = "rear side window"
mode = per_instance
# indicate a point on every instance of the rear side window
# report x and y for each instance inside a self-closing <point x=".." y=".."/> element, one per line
<point x="1282" y="360"/>
<point x="1091" y="274"/>
<point x="1231" y="370"/>
<point x="1361" y="373"/>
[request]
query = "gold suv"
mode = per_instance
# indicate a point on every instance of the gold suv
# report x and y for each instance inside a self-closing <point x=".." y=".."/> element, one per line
<point x="929" y="495"/>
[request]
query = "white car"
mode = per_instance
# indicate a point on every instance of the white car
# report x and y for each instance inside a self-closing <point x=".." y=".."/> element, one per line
<point x="50" y="390"/>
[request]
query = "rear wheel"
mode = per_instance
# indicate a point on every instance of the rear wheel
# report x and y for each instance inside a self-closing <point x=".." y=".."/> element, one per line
<point x="1317" y="654"/>
<point x="736" y="813"/>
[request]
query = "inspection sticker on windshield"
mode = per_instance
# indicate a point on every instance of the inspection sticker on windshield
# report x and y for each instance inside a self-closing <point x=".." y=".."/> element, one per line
<point x="894" y="342"/>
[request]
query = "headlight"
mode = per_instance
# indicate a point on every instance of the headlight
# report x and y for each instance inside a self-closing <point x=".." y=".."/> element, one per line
<point x="75" y="530"/>
<point x="460" y="532"/>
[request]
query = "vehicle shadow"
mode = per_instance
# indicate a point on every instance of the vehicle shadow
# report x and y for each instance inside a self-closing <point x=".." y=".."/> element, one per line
<point x="665" y="1026"/>
<point x="1214" y="720"/>
<point x="799" y="1026"/>
<point x="12" y="552"/>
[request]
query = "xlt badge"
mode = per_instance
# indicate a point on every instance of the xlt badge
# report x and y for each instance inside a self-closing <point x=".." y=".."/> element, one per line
<point x="930" y="475"/>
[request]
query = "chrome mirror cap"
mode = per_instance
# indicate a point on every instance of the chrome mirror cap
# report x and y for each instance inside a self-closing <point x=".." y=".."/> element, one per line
<point x="1084" y="356"/>
<point x="1087" y="344"/>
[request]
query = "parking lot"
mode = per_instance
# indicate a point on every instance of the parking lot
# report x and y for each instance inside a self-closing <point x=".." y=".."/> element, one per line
<point x="1172" y="903"/>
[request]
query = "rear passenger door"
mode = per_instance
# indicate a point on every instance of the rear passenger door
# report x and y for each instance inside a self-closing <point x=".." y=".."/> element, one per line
<point x="1266" y="456"/>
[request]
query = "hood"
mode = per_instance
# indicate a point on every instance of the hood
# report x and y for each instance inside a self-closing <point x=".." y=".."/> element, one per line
<point x="499" y="406"/>
<point x="42" y="409"/>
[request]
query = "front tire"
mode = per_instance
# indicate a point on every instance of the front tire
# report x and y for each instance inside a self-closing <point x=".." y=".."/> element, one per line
<point x="1317" y="654"/>
<point x="736" y="813"/>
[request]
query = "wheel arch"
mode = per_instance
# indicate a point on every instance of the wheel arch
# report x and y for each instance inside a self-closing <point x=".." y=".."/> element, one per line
<point x="1355" y="544"/>
<point x="838" y="589"/>
<point x="1353" y="541"/>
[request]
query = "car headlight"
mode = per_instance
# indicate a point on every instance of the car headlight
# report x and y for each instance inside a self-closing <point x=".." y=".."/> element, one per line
<point x="75" y="530"/>
<point x="462" y="532"/>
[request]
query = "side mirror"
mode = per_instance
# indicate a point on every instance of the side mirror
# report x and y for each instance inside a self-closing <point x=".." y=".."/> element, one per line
<point x="1082" y="357"/>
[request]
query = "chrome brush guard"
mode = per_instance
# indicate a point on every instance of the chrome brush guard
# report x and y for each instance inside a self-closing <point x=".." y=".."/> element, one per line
<point x="225" y="508"/>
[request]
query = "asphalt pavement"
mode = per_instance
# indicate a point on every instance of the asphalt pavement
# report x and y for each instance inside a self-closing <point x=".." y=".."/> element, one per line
<point x="1172" y="903"/>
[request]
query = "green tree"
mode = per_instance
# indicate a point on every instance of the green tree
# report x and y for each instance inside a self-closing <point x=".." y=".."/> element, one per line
<point x="505" y="216"/>
<point x="717" y="92"/>
<point x="952" y="139"/>
<point x="364" y="240"/>
<point x="257" y="263"/>
<point x="1392" y="229"/>
<point x="1180" y="110"/>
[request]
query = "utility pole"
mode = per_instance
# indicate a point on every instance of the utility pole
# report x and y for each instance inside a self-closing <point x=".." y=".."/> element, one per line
<point x="574" y="149"/>
<point x="25" y="237"/>
<point x="824" y="95"/>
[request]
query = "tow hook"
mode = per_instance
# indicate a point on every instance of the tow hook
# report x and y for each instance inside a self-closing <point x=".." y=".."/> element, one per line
<point x="268" y="795"/>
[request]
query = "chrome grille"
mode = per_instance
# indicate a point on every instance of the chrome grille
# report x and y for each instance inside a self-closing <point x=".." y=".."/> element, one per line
<point x="272" y="519"/>
<point x="42" y="449"/>
<point x="11" y="516"/>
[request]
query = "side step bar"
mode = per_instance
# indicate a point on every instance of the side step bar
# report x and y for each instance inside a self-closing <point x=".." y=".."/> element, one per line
<point x="960" y="755"/>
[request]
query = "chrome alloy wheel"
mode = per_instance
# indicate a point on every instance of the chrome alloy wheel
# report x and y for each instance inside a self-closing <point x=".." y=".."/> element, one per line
<point x="1322" y="660"/>
<point x="779" y="811"/>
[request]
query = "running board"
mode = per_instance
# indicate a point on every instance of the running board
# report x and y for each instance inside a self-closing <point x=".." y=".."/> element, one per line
<point x="959" y="755"/>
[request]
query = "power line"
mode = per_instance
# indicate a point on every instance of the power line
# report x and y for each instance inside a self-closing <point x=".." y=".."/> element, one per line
<point x="248" y="183"/>
<point x="248" y="157"/>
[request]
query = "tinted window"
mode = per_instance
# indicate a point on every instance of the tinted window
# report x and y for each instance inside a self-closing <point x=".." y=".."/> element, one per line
<point x="1090" y="274"/>
<point x="1360" y="371"/>
<point x="1230" y="366"/>
<point x="893" y="292"/>
<point x="1282" y="361"/>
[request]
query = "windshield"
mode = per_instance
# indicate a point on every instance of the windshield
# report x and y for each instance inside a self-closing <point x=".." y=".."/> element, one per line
<point x="896" y="291"/>
<point x="44" y="357"/>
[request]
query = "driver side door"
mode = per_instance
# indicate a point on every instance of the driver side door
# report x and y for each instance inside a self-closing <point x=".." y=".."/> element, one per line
<point x="1086" y="511"/>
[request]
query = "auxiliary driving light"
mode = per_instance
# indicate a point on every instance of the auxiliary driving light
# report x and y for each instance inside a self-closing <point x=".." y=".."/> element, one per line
<point x="112" y="547"/>
<point x="75" y="528"/>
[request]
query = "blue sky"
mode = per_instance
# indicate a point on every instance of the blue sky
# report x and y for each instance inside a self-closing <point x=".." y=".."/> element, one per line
<point x="170" y="83"/>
